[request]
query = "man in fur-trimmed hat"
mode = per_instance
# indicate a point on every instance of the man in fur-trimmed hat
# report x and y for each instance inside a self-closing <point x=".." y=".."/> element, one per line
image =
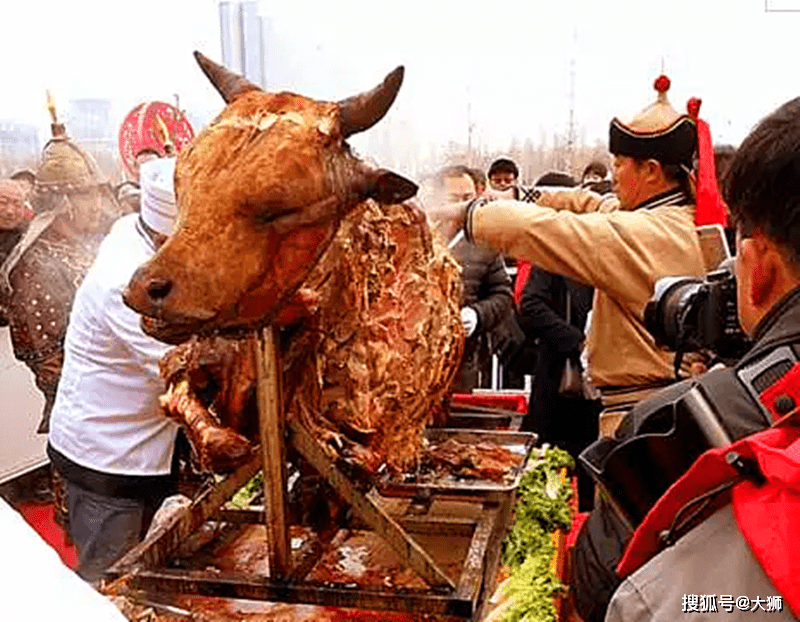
<point x="620" y="244"/>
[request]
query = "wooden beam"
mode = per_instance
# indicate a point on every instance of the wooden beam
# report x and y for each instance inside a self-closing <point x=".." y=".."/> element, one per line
<point x="365" y="507"/>
<point x="426" y="525"/>
<point x="158" y="546"/>
<point x="272" y="429"/>
<point x="469" y="583"/>
<point x="240" y="585"/>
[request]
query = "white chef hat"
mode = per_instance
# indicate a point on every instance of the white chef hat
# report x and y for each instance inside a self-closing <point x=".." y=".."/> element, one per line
<point x="159" y="207"/>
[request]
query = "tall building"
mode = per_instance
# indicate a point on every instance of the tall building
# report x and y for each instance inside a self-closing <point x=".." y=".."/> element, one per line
<point x="242" y="37"/>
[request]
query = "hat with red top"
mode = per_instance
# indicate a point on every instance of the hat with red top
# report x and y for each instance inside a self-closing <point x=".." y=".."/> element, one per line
<point x="659" y="132"/>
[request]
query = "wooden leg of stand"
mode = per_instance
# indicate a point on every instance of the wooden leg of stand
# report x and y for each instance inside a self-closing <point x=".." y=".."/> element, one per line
<point x="271" y="425"/>
<point x="365" y="508"/>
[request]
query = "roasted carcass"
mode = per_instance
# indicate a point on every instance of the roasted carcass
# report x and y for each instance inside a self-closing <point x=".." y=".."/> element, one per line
<point x="365" y="371"/>
<point x="210" y="391"/>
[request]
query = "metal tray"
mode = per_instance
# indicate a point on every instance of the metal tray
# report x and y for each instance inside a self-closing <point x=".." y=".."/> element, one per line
<point x="483" y="418"/>
<point x="520" y="443"/>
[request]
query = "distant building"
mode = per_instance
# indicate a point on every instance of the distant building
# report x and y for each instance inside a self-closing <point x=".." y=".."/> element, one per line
<point x="89" y="124"/>
<point x="90" y="119"/>
<point x="242" y="38"/>
<point x="19" y="147"/>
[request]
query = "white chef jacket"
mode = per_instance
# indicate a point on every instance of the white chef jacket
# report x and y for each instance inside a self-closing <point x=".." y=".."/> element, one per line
<point x="106" y="414"/>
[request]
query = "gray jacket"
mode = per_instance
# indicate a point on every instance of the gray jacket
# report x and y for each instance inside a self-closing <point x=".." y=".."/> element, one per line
<point x="698" y="574"/>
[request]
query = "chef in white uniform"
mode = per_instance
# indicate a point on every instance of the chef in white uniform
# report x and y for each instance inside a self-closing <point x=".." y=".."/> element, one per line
<point x="109" y="438"/>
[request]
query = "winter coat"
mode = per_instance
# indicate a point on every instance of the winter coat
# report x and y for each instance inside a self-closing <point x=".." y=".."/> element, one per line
<point x="487" y="289"/>
<point x="543" y="317"/>
<point x="598" y="553"/>
<point x="590" y="239"/>
<point x="704" y="575"/>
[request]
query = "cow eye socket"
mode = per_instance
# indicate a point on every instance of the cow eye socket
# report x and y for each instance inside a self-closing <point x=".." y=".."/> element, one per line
<point x="266" y="216"/>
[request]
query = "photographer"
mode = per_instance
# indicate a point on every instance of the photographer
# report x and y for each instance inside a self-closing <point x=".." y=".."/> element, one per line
<point x="742" y="541"/>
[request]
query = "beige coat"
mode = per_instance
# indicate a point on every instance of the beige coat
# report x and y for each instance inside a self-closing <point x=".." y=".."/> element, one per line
<point x="622" y="254"/>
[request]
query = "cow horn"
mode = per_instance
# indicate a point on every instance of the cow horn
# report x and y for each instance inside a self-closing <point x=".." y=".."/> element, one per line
<point x="229" y="84"/>
<point x="362" y="111"/>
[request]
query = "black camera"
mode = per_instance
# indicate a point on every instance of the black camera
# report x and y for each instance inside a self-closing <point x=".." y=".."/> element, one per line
<point x="688" y="313"/>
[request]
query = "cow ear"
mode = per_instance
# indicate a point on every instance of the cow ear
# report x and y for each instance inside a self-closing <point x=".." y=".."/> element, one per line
<point x="390" y="188"/>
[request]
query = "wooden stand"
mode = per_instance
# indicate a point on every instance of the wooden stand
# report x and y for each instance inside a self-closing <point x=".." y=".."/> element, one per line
<point x="463" y="597"/>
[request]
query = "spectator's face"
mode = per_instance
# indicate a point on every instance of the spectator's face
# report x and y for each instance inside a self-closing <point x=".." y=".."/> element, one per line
<point x="502" y="181"/>
<point x="630" y="181"/>
<point x="458" y="189"/>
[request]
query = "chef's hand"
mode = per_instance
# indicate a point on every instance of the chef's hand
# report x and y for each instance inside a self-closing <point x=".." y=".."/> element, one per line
<point x="469" y="320"/>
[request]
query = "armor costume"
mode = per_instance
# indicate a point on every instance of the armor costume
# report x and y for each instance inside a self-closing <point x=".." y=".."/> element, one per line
<point x="40" y="276"/>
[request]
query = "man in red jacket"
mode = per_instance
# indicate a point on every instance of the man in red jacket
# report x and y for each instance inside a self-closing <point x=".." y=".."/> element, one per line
<point x="725" y="538"/>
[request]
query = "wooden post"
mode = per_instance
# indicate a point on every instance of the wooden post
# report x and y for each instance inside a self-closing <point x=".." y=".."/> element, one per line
<point x="365" y="507"/>
<point x="271" y="426"/>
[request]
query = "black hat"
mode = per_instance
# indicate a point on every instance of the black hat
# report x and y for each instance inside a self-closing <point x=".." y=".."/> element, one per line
<point x="657" y="132"/>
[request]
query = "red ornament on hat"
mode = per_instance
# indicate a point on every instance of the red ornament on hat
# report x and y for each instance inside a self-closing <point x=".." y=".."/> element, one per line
<point x="662" y="84"/>
<point x="710" y="208"/>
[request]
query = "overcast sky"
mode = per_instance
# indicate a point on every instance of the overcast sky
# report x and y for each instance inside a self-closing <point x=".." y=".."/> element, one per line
<point x="506" y="65"/>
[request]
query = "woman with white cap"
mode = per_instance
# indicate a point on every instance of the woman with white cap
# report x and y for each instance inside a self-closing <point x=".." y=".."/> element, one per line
<point x="108" y="437"/>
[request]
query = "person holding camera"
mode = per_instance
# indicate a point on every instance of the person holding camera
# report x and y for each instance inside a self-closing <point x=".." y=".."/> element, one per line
<point x="727" y="531"/>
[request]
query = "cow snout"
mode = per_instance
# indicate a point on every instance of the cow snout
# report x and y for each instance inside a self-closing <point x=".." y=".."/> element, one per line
<point x="158" y="289"/>
<point x="146" y="292"/>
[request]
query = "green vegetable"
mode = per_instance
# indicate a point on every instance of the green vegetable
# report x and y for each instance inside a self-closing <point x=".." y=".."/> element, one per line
<point x="542" y="507"/>
<point x="242" y="498"/>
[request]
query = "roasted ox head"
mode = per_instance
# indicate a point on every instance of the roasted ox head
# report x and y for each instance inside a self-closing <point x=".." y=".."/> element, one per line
<point x="261" y="192"/>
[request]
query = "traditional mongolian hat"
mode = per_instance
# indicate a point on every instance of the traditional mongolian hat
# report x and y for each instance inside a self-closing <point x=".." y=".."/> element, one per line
<point x="157" y="127"/>
<point x="65" y="166"/>
<point x="659" y="132"/>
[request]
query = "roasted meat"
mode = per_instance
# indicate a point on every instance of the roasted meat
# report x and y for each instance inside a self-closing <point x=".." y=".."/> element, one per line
<point x="484" y="460"/>
<point x="211" y="392"/>
<point x="365" y="369"/>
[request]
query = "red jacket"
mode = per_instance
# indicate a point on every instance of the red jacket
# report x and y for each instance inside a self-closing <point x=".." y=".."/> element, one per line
<point x="768" y="513"/>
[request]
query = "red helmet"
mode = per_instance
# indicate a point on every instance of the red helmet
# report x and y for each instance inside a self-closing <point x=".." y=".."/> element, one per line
<point x="152" y="126"/>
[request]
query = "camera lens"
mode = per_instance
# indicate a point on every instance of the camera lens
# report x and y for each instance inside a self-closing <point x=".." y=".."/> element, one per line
<point x="665" y="313"/>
